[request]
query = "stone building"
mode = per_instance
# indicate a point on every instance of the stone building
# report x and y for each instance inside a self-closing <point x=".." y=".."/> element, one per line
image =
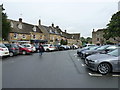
<point x="97" y="38"/>
<point x="22" y="31"/>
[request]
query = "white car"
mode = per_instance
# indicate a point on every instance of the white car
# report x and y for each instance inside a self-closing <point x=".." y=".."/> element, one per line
<point x="30" y="47"/>
<point x="49" y="47"/>
<point x="3" y="50"/>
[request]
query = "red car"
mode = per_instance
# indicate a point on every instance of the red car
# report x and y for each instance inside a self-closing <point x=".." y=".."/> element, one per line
<point x="24" y="50"/>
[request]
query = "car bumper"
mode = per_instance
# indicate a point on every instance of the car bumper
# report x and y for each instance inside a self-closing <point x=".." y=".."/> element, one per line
<point x="91" y="65"/>
<point x="4" y="54"/>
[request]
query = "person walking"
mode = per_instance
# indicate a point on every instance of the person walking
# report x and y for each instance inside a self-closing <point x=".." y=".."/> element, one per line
<point x="41" y="49"/>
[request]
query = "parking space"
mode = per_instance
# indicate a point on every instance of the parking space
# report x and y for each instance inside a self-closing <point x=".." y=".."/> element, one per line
<point x="80" y="63"/>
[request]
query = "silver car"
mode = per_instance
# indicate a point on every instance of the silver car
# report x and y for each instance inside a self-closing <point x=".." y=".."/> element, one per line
<point x="104" y="63"/>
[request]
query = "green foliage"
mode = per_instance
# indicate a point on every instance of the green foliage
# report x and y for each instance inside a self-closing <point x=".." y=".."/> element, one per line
<point x="86" y="40"/>
<point x="63" y="42"/>
<point x="113" y="28"/>
<point x="5" y="27"/>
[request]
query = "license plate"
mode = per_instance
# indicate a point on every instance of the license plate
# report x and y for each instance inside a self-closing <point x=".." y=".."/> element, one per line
<point x="6" y="53"/>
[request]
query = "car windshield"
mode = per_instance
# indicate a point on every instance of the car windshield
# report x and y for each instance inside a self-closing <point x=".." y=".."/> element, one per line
<point x="116" y="52"/>
<point x="102" y="47"/>
<point x="2" y="46"/>
<point x="93" y="48"/>
<point x="21" y="46"/>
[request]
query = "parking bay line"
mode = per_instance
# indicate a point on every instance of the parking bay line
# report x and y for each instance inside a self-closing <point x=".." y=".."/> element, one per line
<point x="116" y="75"/>
<point x="98" y="75"/>
<point x="83" y="65"/>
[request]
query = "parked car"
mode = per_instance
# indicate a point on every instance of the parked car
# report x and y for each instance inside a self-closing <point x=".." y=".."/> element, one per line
<point x="104" y="63"/>
<point x="49" y="47"/>
<point x="30" y="47"/>
<point x="75" y="46"/>
<point x="88" y="45"/>
<point x="36" y="47"/>
<point x="3" y="50"/>
<point x="85" y="53"/>
<point x="13" y="49"/>
<point x="82" y="49"/>
<point x="23" y="50"/>
<point x="103" y="49"/>
<point x="64" y="47"/>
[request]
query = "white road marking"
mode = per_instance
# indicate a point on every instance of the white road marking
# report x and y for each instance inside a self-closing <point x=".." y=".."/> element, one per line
<point x="116" y="75"/>
<point x="75" y="54"/>
<point x="83" y="65"/>
<point x="78" y="59"/>
<point x="98" y="75"/>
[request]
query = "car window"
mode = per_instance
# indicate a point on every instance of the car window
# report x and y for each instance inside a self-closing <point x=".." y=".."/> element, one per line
<point x="26" y="45"/>
<point x="45" y="45"/>
<point x="102" y="47"/>
<point x="116" y="53"/>
<point x="2" y="46"/>
<point x="93" y="48"/>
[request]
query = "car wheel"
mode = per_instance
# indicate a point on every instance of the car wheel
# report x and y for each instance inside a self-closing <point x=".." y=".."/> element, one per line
<point x="38" y="51"/>
<point x="11" y="54"/>
<point x="23" y="52"/>
<point x="104" y="68"/>
<point x="47" y="50"/>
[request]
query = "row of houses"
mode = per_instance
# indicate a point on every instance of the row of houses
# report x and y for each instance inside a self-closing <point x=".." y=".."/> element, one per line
<point x="24" y="32"/>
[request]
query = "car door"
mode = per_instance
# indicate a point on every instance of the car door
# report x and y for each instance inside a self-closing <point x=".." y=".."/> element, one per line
<point x="119" y="63"/>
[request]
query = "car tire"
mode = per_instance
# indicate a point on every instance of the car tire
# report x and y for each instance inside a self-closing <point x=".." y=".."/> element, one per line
<point x="104" y="68"/>
<point x="38" y="51"/>
<point x="47" y="50"/>
<point x="11" y="54"/>
<point x="24" y="52"/>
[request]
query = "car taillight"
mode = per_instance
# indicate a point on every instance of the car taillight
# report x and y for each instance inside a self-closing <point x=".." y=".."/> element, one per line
<point x="50" y="47"/>
<point x="1" y="49"/>
<point x="13" y="48"/>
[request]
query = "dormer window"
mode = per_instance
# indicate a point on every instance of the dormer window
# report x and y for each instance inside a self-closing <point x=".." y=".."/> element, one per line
<point x="23" y="36"/>
<point x="56" y="32"/>
<point x="34" y="29"/>
<point x="15" y="35"/>
<point x="34" y="36"/>
<point x="20" y="26"/>
<point x="12" y="25"/>
<point x="72" y="36"/>
<point x="50" y="31"/>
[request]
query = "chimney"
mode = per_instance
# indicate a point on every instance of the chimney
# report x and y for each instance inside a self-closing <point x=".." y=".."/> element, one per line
<point x="93" y="30"/>
<point x="39" y="22"/>
<point x="20" y="20"/>
<point x="52" y="24"/>
<point x="57" y="27"/>
<point x="65" y="31"/>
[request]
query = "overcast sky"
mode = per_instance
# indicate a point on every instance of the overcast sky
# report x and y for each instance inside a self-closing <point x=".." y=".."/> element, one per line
<point x="76" y="16"/>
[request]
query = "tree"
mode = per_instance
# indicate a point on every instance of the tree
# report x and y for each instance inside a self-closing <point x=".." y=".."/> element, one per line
<point x="89" y="40"/>
<point x="113" y="28"/>
<point x="5" y="26"/>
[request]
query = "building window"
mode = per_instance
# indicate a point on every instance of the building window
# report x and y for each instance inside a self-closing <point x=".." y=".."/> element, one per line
<point x="24" y="37"/>
<point x="34" y="29"/>
<point x="34" y="36"/>
<point x="15" y="35"/>
<point x="20" y="26"/>
<point x="12" y="25"/>
<point x="97" y="39"/>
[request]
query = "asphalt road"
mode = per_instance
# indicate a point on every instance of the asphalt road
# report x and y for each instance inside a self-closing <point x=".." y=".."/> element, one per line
<point x="60" y="69"/>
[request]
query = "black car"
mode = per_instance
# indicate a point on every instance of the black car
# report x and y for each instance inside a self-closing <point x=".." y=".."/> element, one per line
<point x="13" y="49"/>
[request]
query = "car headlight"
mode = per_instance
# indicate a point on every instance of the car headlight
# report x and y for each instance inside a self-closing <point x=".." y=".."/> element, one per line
<point x="86" y="53"/>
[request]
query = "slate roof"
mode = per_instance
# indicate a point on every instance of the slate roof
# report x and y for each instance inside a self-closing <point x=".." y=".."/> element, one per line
<point x="26" y="28"/>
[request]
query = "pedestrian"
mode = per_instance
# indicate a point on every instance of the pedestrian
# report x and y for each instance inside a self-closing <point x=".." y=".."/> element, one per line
<point x="41" y="49"/>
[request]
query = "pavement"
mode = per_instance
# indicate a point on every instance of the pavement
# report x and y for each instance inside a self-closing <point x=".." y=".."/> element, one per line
<point x="59" y="69"/>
